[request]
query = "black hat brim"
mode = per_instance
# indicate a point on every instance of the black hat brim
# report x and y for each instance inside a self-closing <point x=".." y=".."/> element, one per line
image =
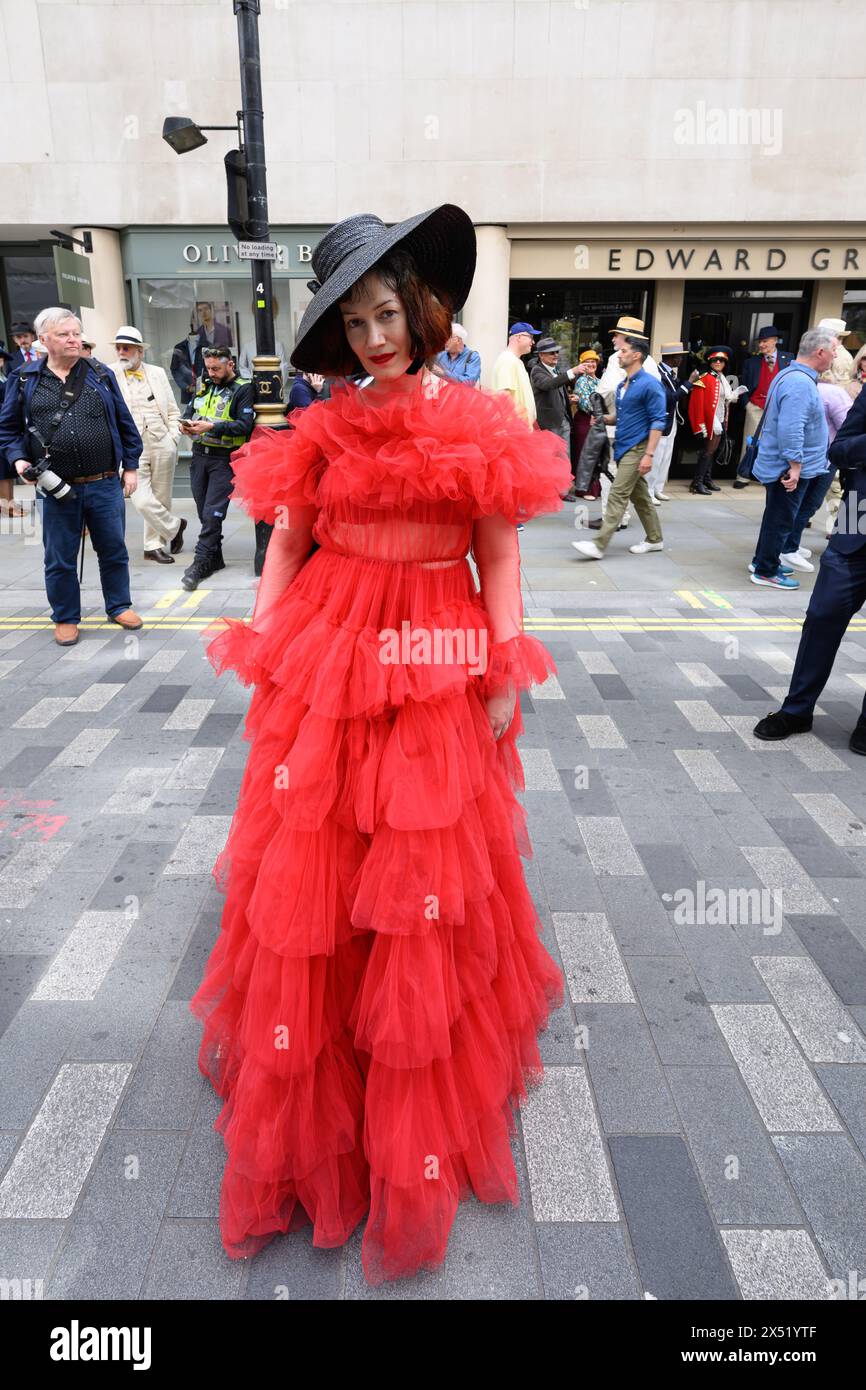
<point x="442" y="244"/>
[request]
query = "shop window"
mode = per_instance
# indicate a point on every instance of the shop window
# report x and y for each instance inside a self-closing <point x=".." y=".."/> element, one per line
<point x="578" y="314"/>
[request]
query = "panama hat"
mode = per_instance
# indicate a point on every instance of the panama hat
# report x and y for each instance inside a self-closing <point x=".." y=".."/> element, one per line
<point x="634" y="328"/>
<point x="672" y="350"/>
<point x="129" y="336"/>
<point x="837" y="326"/>
<point x="441" y="241"/>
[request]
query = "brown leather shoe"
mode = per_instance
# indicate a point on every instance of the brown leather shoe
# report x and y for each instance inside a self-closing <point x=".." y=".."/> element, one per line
<point x="66" y="634"/>
<point x="128" y="619"/>
<point x="161" y="556"/>
<point x="176" y="543"/>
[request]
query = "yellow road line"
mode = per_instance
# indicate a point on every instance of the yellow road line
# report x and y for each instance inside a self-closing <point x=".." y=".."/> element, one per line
<point x="195" y="598"/>
<point x="691" y="599"/>
<point x="716" y="598"/>
<point x="168" y="598"/>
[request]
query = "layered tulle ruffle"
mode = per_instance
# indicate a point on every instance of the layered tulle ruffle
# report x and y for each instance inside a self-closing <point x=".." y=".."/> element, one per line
<point x="455" y="445"/>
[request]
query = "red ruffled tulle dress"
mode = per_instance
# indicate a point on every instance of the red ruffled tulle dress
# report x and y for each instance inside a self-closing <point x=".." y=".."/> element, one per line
<point x="372" y="1002"/>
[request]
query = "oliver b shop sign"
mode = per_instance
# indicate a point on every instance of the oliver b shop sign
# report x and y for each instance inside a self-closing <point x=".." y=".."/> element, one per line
<point x="72" y="273"/>
<point x="677" y="259"/>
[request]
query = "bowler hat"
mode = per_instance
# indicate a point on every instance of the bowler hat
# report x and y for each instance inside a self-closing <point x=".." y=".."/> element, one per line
<point x="441" y="242"/>
<point x="22" y="326"/>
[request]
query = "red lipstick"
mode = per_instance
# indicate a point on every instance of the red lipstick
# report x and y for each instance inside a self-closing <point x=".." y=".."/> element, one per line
<point x="381" y="360"/>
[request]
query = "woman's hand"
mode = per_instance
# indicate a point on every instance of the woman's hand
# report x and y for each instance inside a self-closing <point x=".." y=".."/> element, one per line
<point x="500" y="711"/>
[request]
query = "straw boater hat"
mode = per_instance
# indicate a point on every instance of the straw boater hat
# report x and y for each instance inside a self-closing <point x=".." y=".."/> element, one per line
<point x="129" y="336"/>
<point x="441" y="241"/>
<point x="672" y="350"/>
<point x="633" y="328"/>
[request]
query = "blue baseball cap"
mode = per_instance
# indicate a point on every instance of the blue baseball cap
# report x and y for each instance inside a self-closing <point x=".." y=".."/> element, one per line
<point x="522" y="328"/>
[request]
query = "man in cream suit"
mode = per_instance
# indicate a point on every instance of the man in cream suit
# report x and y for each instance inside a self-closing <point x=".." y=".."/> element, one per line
<point x="151" y="402"/>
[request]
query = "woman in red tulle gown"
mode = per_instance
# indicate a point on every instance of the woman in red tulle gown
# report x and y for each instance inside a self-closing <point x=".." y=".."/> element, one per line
<point x="372" y="1004"/>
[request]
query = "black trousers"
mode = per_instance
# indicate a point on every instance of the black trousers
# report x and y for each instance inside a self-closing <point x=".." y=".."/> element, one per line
<point x="839" y="593"/>
<point x="212" y="481"/>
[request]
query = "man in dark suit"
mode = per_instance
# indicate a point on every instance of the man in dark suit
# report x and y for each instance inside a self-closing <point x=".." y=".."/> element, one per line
<point x="550" y="388"/>
<point x="758" y="371"/>
<point x="839" y="593"/>
<point x="26" y="349"/>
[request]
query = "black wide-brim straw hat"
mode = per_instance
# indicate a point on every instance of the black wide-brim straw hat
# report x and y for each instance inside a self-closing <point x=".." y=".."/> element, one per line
<point x="441" y="241"/>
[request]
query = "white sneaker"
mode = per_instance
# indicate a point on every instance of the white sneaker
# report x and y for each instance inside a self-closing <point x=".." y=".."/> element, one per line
<point x="806" y="554"/>
<point x="589" y="549"/>
<point x="662" y="497"/>
<point x="643" y="547"/>
<point x="655" y="500"/>
<point x="796" y="561"/>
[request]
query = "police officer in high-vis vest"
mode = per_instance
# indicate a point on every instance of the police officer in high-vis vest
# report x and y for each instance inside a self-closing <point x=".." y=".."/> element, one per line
<point x="220" y="418"/>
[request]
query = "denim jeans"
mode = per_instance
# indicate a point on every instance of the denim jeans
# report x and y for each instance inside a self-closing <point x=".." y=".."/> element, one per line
<point x="811" y="500"/>
<point x="100" y="507"/>
<point x="777" y="523"/>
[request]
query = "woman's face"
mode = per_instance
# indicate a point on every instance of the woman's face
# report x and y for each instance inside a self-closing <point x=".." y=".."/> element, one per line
<point x="591" y="366"/>
<point x="377" y="330"/>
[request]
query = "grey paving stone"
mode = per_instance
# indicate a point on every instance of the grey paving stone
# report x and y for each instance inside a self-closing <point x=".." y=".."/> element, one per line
<point x="741" y="1173"/>
<point x="837" y="952"/>
<point x="777" y="1265"/>
<point x="52" y="1162"/>
<point x="637" y="917"/>
<point x="582" y="1261"/>
<point x="122" y="671"/>
<point x="829" y="1177"/>
<point x="745" y="687"/>
<point x="166" y="1084"/>
<point x="18" y="975"/>
<point x="671" y="870"/>
<point x="26" y="766"/>
<point x="568" y="1173"/>
<point x="680" y="1020"/>
<point x="593" y="966"/>
<point x="133" y="874"/>
<point x="196" y="1191"/>
<point x="292" y="1269"/>
<point x="772" y="1066"/>
<point x="778" y="869"/>
<point x="723" y="968"/>
<point x="824" y="1029"/>
<point x="678" y="1251"/>
<point x="110" y="1237"/>
<point x="216" y="730"/>
<point x="188" y="1262"/>
<point x="424" y="1286"/>
<point x="600" y="731"/>
<point x="22" y="876"/>
<point x="26" y="1251"/>
<point x="164" y="699"/>
<point x="612" y="688"/>
<point x="491" y="1249"/>
<point x="86" y="956"/>
<point x="609" y="847"/>
<point x="632" y="1095"/>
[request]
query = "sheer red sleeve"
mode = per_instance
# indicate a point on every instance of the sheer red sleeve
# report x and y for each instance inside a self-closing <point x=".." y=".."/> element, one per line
<point x="515" y="660"/>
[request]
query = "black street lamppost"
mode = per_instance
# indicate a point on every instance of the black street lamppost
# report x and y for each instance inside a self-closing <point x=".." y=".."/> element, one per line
<point x="246" y="177"/>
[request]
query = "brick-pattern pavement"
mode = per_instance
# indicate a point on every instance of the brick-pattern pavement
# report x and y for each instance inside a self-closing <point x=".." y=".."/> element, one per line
<point x="701" y="1130"/>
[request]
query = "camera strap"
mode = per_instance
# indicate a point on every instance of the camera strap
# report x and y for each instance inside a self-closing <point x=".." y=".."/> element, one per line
<point x="72" y="389"/>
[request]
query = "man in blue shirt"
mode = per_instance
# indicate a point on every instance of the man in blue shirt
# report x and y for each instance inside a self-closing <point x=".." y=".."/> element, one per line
<point x="641" y="412"/>
<point x="458" y="361"/>
<point x="792" y="449"/>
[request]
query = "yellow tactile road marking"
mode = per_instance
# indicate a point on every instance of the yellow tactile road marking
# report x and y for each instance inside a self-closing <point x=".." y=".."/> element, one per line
<point x="690" y="598"/>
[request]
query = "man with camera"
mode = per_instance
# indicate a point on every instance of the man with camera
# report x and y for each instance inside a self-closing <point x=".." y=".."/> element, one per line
<point x="64" y="426"/>
<point x="219" y="420"/>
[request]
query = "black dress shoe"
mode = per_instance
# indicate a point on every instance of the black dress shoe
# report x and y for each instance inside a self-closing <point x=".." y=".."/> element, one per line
<point x="700" y="490"/>
<point x="177" y="541"/>
<point x="595" y="525"/>
<point x="714" y="487"/>
<point x="161" y="557"/>
<point x="740" y="482"/>
<point x="857" y="741"/>
<point x="781" y="725"/>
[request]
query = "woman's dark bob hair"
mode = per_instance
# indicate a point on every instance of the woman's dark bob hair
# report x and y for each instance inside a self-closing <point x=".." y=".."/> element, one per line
<point x="429" y="313"/>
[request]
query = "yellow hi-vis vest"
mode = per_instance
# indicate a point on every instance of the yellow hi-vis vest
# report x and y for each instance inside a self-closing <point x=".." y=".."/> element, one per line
<point x="214" y="403"/>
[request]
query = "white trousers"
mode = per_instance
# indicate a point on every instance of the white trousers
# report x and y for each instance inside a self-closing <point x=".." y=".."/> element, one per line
<point x="658" y="474"/>
<point x="152" y="497"/>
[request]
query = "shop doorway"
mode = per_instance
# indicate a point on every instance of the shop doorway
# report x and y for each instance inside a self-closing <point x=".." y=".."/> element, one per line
<point x="732" y="314"/>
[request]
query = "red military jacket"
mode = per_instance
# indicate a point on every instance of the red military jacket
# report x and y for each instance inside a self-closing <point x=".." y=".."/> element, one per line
<point x="702" y="404"/>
